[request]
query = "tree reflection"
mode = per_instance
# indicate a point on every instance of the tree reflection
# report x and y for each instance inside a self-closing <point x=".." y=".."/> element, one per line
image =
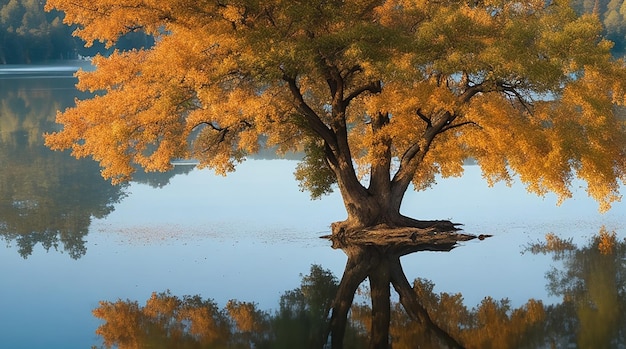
<point x="47" y="197"/>
<point x="592" y="284"/>
<point x="591" y="314"/>
<point x="167" y="321"/>
<point x="380" y="263"/>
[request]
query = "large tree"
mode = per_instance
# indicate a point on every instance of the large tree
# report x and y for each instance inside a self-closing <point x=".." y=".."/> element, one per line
<point x="378" y="94"/>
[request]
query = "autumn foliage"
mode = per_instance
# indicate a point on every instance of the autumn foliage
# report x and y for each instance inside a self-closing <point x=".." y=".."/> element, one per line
<point x="394" y="92"/>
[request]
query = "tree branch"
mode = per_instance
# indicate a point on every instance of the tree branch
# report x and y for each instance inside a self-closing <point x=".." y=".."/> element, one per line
<point x="372" y="87"/>
<point x="315" y="123"/>
<point x="209" y="124"/>
<point x="451" y="126"/>
<point x="423" y="117"/>
<point x="355" y="69"/>
<point x="471" y="91"/>
<point x="510" y="89"/>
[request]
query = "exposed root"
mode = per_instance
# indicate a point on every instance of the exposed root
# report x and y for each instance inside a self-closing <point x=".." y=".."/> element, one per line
<point x="345" y="229"/>
<point x="431" y="236"/>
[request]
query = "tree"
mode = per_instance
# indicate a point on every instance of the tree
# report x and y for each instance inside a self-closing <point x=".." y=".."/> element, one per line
<point x="611" y="14"/>
<point x="378" y="94"/>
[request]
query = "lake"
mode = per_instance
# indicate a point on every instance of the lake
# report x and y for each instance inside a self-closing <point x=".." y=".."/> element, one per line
<point x="71" y="240"/>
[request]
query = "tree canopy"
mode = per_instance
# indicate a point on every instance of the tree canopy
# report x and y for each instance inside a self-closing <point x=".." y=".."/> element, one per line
<point x="378" y="94"/>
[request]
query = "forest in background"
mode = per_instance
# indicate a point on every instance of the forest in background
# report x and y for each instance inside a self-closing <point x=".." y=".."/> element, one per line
<point x="28" y="34"/>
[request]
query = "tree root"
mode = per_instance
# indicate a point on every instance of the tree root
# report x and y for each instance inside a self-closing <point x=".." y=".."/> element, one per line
<point x="408" y="238"/>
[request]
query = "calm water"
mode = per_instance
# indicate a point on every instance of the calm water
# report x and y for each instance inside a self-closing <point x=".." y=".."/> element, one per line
<point x="72" y="240"/>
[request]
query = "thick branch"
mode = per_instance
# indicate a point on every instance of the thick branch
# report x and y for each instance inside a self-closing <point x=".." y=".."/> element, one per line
<point x="471" y="91"/>
<point x="414" y="155"/>
<point x="372" y="87"/>
<point x="315" y="123"/>
<point x="424" y="117"/>
<point x="381" y="167"/>
<point x="355" y="69"/>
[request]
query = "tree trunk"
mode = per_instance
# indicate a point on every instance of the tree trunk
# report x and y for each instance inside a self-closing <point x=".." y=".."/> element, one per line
<point x="377" y="205"/>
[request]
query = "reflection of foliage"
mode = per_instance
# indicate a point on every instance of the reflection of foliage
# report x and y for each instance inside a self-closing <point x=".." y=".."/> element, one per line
<point x="592" y="314"/>
<point x="593" y="286"/>
<point x="49" y="197"/>
<point x="164" y="322"/>
<point x="167" y="321"/>
<point x="159" y="179"/>
<point x="302" y="318"/>
<point x="553" y="244"/>
<point x="493" y="324"/>
<point x="45" y="197"/>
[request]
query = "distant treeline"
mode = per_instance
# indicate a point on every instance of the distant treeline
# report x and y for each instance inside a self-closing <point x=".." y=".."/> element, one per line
<point x="28" y="34"/>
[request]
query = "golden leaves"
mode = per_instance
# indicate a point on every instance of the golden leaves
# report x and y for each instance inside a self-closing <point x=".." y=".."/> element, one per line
<point x="107" y="20"/>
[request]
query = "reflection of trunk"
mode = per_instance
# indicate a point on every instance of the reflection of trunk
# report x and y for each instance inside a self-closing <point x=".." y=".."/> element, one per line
<point x="381" y="308"/>
<point x="381" y="264"/>
<point x="357" y="269"/>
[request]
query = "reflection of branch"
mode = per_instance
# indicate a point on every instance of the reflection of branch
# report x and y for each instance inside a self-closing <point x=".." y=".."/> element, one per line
<point x="381" y="304"/>
<point x="381" y="264"/>
<point x="412" y="305"/>
<point x="357" y="269"/>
